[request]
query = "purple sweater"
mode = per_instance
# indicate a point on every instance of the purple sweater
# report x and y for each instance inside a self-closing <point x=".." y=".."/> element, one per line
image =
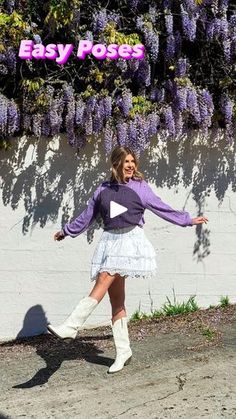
<point x="128" y="200"/>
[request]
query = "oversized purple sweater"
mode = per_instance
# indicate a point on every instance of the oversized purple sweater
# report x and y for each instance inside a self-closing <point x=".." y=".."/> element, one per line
<point x="134" y="197"/>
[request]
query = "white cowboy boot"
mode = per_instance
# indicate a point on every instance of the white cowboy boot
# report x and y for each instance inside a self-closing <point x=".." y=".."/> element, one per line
<point x="121" y="339"/>
<point x="76" y="319"/>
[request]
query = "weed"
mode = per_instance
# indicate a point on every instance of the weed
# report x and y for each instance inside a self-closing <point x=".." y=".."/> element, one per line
<point x="139" y="315"/>
<point x="171" y="309"/>
<point x="224" y="301"/>
<point x="207" y="331"/>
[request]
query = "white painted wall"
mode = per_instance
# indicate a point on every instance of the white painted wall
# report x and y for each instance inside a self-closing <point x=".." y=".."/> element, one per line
<point x="42" y="181"/>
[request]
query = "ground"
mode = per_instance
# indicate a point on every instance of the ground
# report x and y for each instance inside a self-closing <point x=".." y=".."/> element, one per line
<point x="182" y="367"/>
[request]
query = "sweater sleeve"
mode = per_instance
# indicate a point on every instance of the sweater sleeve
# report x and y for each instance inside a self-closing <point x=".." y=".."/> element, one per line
<point x="85" y="219"/>
<point x="158" y="207"/>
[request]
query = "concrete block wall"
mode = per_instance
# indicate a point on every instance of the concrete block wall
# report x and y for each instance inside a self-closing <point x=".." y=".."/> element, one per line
<point x="44" y="183"/>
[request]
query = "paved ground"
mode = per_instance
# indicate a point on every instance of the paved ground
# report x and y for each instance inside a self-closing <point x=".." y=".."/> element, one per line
<point x="176" y="372"/>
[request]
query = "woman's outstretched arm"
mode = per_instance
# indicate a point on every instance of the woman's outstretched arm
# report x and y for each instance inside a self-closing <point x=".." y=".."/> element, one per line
<point x="163" y="210"/>
<point x="83" y="221"/>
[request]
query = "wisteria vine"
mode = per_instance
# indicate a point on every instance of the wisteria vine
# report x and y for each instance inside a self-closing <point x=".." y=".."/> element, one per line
<point x="186" y="80"/>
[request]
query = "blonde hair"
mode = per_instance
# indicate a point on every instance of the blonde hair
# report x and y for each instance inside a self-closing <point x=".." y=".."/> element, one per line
<point x="118" y="156"/>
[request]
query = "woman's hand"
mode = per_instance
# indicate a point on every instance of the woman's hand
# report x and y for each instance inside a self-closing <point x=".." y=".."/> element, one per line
<point x="59" y="236"/>
<point x="199" y="220"/>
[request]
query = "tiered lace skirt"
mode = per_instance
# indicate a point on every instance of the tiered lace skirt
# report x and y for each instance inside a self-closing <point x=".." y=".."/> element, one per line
<point x="125" y="251"/>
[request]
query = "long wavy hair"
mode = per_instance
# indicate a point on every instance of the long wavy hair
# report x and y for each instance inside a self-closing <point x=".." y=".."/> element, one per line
<point x="118" y="157"/>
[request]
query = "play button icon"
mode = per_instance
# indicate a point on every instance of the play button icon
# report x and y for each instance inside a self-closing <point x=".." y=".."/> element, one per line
<point x="116" y="209"/>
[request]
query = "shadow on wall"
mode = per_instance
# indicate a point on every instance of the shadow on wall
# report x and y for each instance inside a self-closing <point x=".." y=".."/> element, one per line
<point x="49" y="176"/>
<point x="35" y="319"/>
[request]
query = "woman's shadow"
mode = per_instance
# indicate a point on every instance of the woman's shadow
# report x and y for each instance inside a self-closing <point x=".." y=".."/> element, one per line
<point x="54" y="351"/>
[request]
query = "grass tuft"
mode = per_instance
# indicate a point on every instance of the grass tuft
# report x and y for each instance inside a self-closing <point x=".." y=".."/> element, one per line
<point x="224" y="301"/>
<point x="208" y="332"/>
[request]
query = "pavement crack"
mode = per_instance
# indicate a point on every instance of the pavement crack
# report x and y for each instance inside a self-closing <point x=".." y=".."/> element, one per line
<point x="147" y="402"/>
<point x="181" y="378"/>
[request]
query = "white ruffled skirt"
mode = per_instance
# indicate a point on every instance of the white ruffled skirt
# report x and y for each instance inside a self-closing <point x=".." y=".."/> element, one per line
<point x="125" y="251"/>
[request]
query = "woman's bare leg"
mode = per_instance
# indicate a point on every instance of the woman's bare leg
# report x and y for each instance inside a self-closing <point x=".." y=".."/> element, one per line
<point x="116" y="293"/>
<point x="103" y="282"/>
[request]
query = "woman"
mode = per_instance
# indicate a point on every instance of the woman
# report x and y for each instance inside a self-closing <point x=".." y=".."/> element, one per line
<point x="123" y="250"/>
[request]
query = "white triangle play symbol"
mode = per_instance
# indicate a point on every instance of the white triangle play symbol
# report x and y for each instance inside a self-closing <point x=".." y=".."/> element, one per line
<point x="116" y="209"/>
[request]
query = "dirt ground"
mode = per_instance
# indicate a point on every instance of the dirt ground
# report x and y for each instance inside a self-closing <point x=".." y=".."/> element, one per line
<point x="182" y="367"/>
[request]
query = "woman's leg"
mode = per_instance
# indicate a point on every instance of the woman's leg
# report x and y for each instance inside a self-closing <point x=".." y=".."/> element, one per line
<point x="76" y="319"/>
<point x="103" y="282"/>
<point x="119" y="324"/>
<point x="116" y="293"/>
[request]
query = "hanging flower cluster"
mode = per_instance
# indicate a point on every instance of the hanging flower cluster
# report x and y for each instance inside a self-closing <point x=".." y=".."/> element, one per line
<point x="186" y="80"/>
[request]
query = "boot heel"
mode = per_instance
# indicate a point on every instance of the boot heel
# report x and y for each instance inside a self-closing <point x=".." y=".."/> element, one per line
<point x="128" y="361"/>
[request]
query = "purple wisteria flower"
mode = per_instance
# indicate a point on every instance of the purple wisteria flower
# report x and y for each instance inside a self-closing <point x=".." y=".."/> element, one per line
<point x="223" y="6"/>
<point x="45" y="128"/>
<point x="189" y="24"/>
<point x="224" y="29"/>
<point x="132" y="136"/>
<point x="169" y="121"/>
<point x="210" y="28"/>
<point x="208" y="100"/>
<point x="170" y="47"/>
<point x="70" y="120"/>
<point x="226" y="105"/>
<point x="89" y="36"/>
<point x="107" y="103"/>
<point x="98" y="118"/>
<point x="206" y="108"/>
<point x="134" y="4"/>
<point x="167" y="4"/>
<point x="126" y="102"/>
<point x="79" y="112"/>
<point x="55" y="114"/>
<point x="90" y="104"/>
<point x="142" y="132"/>
<point x="11" y="60"/>
<point x="190" y="5"/>
<point x="140" y="23"/>
<point x="227" y="49"/>
<point x="181" y="98"/>
<point x="37" y="124"/>
<point x="122" y="133"/>
<point x="100" y="20"/>
<point x="193" y="106"/>
<point x="152" y="43"/>
<point x="153" y="94"/>
<point x="160" y="95"/>
<point x="69" y="100"/>
<point x="153" y="120"/>
<point x="27" y="119"/>
<point x="115" y="18"/>
<point x="37" y="39"/>
<point x="102" y="110"/>
<point x="144" y="73"/>
<point x="169" y="23"/>
<point x="108" y="137"/>
<point x="13" y="118"/>
<point x="181" y="67"/>
<point x="89" y="124"/>
<point x="179" y="123"/>
<point x="152" y="11"/>
<point x="3" y="114"/>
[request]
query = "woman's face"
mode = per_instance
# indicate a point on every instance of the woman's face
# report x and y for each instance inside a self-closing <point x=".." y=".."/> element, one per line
<point x="128" y="167"/>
